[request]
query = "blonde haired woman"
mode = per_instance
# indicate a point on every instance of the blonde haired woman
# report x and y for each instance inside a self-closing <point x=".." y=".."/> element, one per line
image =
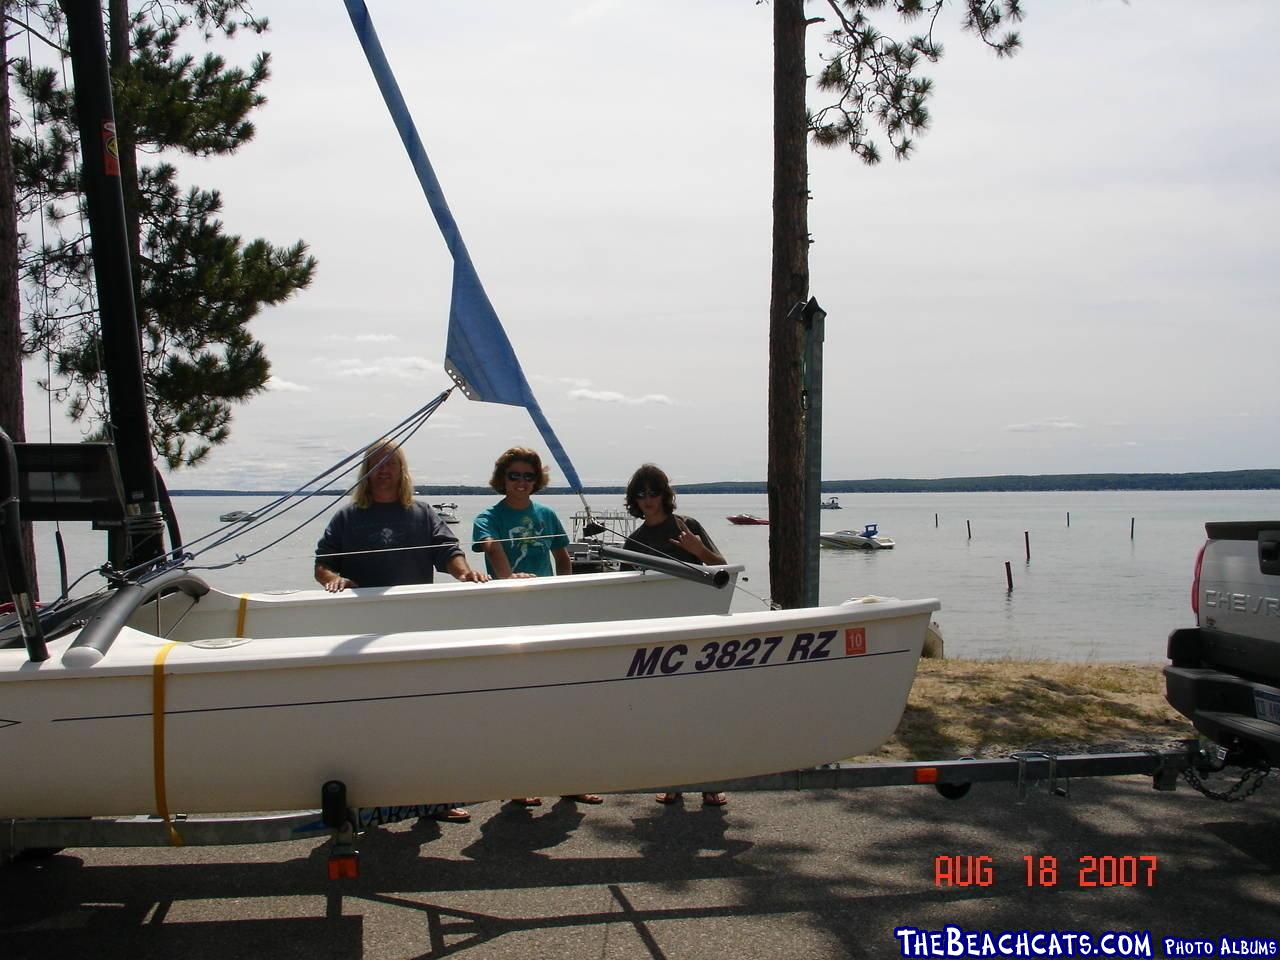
<point x="384" y="537"/>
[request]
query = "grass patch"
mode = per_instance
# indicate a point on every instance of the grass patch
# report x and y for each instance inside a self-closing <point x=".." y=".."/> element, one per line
<point x="984" y="708"/>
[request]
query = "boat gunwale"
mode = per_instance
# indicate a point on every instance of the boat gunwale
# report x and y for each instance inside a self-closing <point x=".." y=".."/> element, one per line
<point x="411" y="591"/>
<point x="137" y="655"/>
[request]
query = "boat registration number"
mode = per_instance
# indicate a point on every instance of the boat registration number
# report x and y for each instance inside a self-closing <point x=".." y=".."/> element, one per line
<point x="1266" y="705"/>
<point x="737" y="654"/>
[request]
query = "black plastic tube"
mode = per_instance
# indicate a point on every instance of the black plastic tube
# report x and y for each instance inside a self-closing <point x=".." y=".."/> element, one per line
<point x="686" y="571"/>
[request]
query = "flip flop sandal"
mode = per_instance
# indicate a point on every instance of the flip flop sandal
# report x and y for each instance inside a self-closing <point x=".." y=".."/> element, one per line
<point x="714" y="799"/>
<point x="453" y="816"/>
<point x="527" y="801"/>
<point x="668" y="798"/>
<point x="584" y="798"/>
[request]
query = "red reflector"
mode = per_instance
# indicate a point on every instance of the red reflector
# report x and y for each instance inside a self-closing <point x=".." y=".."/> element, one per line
<point x="926" y="774"/>
<point x="344" y="867"/>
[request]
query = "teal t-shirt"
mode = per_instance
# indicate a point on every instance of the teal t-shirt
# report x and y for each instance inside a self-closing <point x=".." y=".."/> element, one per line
<point x="527" y="536"/>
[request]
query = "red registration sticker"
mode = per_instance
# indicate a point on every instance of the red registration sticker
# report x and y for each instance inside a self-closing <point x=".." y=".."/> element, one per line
<point x="855" y="641"/>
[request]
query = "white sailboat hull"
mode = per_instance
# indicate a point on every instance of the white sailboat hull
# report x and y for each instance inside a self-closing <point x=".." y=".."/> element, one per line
<point x="452" y="715"/>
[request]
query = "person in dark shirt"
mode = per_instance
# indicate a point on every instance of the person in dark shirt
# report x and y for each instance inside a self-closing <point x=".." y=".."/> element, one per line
<point x="384" y="537"/>
<point x="666" y="534"/>
<point x="372" y="541"/>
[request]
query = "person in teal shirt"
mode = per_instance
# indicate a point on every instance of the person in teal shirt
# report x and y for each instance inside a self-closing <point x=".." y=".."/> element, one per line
<point x="520" y="538"/>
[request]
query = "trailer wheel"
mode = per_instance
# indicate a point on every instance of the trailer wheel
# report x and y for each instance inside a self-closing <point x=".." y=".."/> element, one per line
<point x="954" y="791"/>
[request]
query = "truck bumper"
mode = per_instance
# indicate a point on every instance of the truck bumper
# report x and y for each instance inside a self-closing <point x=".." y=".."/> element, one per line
<point x="1228" y="709"/>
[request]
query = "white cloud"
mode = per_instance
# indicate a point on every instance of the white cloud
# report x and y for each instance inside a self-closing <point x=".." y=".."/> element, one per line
<point x="286" y="386"/>
<point x="400" y="368"/>
<point x="1041" y="426"/>
<point x="612" y="396"/>
<point x="363" y="337"/>
<point x="579" y="382"/>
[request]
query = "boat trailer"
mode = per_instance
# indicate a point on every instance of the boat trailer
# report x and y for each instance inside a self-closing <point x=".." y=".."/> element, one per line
<point x="342" y="823"/>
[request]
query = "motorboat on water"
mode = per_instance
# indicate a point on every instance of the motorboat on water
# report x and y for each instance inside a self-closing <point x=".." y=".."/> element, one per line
<point x="747" y="520"/>
<point x="868" y="538"/>
<point x="448" y="512"/>
<point x="831" y="503"/>
<point x="158" y="693"/>
<point x="236" y="516"/>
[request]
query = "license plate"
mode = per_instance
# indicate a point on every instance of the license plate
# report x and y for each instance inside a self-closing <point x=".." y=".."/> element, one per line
<point x="1266" y="705"/>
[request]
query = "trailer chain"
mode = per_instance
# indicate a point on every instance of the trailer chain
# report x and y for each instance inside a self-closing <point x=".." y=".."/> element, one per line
<point x="1248" y="784"/>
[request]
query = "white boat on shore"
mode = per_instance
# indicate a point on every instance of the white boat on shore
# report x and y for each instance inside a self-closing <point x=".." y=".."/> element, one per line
<point x="868" y="538"/>
<point x="216" y="721"/>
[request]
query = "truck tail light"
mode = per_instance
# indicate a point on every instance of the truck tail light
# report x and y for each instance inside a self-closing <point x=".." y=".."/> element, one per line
<point x="1195" y="583"/>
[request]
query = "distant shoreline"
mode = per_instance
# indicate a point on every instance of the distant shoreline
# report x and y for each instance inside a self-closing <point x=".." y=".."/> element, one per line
<point x="1013" y="483"/>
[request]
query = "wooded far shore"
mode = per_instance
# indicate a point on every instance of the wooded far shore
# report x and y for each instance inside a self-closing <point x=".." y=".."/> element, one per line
<point x="1215" y="480"/>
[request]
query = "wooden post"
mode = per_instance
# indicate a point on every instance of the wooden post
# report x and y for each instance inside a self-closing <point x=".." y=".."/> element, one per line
<point x="1131" y="528"/>
<point x="1068" y="518"/>
<point x="968" y="527"/>
<point x="1026" y="536"/>
<point x="1008" y="575"/>
<point x="935" y="521"/>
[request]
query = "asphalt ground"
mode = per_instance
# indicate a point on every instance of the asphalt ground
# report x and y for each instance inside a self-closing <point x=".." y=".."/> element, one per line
<point x="770" y="875"/>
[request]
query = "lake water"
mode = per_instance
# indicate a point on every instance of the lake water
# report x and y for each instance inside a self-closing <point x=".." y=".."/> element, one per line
<point x="1088" y="592"/>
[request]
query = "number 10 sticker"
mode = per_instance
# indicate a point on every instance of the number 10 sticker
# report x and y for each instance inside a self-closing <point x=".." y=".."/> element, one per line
<point x="855" y="641"/>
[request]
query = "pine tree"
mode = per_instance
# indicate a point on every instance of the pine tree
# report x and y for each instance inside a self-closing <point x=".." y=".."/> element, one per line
<point x="875" y="82"/>
<point x="196" y="286"/>
<point x="12" y="416"/>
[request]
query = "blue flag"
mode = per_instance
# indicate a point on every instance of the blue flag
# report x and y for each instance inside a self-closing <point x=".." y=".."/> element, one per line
<point x="478" y="356"/>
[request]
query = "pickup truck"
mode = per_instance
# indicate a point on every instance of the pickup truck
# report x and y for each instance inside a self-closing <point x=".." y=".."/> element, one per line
<point x="1224" y="673"/>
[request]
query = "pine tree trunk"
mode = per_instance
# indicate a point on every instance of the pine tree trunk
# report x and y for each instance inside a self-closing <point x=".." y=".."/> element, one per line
<point x="126" y="141"/>
<point x="790" y="286"/>
<point x="12" y="414"/>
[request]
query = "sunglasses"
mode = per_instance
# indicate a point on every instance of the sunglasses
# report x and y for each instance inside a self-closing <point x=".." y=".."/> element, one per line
<point x="642" y="494"/>
<point x="516" y="476"/>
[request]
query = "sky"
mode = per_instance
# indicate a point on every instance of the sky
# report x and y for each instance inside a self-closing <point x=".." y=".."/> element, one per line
<point x="1076" y="273"/>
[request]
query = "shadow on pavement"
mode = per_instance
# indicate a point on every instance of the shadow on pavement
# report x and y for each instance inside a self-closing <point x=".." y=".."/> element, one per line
<point x="770" y="875"/>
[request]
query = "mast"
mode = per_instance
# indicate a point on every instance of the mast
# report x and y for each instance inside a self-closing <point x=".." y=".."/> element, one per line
<point x="128" y="425"/>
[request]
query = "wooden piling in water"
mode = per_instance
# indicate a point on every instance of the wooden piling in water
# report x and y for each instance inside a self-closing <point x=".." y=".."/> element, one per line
<point x="935" y="521"/>
<point x="1068" y="518"/>
<point x="1131" y="528"/>
<point x="969" y="528"/>
<point x="1008" y="575"/>
<point x="1026" y="536"/>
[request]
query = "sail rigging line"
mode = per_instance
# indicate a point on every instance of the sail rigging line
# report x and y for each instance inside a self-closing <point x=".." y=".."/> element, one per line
<point x="182" y="556"/>
<point x="402" y="433"/>
<point x="147" y="571"/>
<point x="478" y="353"/>
<point x="440" y="546"/>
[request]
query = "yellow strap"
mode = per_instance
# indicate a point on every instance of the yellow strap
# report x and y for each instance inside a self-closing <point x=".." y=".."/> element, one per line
<point x="244" y="606"/>
<point x="157" y="735"/>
